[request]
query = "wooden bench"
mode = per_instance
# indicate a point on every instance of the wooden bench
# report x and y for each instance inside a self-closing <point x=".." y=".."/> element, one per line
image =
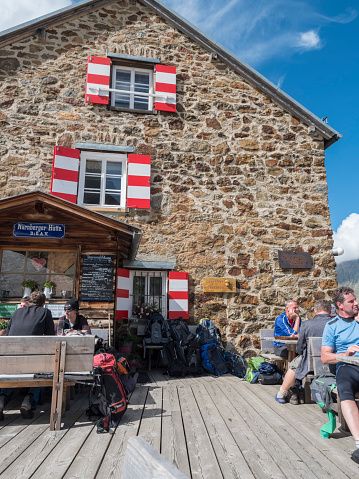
<point x="267" y="348"/>
<point x="33" y="361"/>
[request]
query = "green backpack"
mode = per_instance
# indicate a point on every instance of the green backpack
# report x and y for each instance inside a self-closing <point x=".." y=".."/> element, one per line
<point x="252" y="370"/>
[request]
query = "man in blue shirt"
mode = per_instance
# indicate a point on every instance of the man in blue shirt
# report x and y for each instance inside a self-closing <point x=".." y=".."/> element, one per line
<point x="286" y="324"/>
<point x="341" y="338"/>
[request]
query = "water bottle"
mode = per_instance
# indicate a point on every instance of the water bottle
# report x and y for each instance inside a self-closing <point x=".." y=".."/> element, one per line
<point x="60" y="327"/>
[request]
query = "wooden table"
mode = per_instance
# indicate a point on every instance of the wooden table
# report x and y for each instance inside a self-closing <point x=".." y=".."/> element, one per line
<point x="348" y="359"/>
<point x="291" y="344"/>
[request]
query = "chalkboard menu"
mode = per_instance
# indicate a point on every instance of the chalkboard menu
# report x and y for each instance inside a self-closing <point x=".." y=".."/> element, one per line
<point x="97" y="277"/>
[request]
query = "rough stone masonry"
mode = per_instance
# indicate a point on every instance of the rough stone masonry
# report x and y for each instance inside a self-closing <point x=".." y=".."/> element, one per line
<point x="234" y="177"/>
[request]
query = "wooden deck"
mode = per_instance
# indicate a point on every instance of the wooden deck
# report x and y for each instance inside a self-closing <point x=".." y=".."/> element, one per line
<point x="209" y="428"/>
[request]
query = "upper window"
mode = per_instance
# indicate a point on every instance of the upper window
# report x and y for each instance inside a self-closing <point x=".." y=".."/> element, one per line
<point x="102" y="180"/>
<point x="139" y="85"/>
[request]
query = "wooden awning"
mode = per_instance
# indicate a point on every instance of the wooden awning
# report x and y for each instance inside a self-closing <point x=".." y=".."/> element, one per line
<point x="93" y="231"/>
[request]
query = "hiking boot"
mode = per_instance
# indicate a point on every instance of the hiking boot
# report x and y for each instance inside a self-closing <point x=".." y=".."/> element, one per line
<point x="355" y="456"/>
<point x="26" y="408"/>
<point x="294" y="399"/>
<point x="2" y="405"/>
<point x="301" y="397"/>
<point x="280" y="400"/>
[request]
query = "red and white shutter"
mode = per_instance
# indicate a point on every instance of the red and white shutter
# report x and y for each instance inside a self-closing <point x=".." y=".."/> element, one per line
<point x="98" y="75"/>
<point x="123" y="303"/>
<point x="138" y="181"/>
<point x="165" y="84"/>
<point x="65" y="173"/>
<point x="178" y="295"/>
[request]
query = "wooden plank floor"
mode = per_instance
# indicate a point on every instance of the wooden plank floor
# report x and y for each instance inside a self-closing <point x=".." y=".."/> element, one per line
<point x="208" y="427"/>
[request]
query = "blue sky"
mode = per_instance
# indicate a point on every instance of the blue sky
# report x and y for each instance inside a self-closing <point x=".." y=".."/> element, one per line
<point x="308" y="48"/>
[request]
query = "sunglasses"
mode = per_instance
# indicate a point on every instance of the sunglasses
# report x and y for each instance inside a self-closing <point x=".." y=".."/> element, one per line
<point x="69" y="310"/>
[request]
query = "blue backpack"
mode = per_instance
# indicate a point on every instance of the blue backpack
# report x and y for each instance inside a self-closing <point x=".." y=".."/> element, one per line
<point x="207" y="332"/>
<point x="213" y="359"/>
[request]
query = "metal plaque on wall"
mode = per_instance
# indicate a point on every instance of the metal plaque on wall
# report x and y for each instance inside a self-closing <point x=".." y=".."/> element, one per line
<point x="294" y="259"/>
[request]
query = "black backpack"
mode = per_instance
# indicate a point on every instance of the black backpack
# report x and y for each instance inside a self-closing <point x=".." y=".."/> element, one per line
<point x="236" y="364"/>
<point x="180" y="332"/>
<point x="207" y="332"/>
<point x="193" y="357"/>
<point x="107" y="396"/>
<point x="173" y="359"/>
<point x="156" y="330"/>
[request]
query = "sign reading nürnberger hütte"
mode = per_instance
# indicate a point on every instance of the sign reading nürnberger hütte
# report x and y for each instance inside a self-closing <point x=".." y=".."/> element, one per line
<point x="219" y="285"/>
<point x="294" y="259"/>
<point x="39" y="230"/>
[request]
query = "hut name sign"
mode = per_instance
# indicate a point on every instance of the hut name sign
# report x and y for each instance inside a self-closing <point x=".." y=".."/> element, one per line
<point x="97" y="277"/>
<point x="219" y="285"/>
<point x="39" y="230"/>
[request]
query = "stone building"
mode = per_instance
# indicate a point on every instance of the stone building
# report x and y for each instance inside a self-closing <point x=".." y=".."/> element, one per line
<point x="216" y="166"/>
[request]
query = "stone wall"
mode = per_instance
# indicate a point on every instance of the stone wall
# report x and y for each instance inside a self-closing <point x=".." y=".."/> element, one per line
<point x="234" y="177"/>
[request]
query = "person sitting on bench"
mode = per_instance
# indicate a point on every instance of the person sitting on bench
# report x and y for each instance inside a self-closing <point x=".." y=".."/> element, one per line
<point x="32" y="320"/>
<point x="298" y="368"/>
<point x="341" y="338"/>
<point x="287" y="324"/>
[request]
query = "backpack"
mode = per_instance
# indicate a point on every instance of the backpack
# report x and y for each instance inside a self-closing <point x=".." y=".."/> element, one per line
<point x="173" y="359"/>
<point x="207" y="332"/>
<point x="180" y="332"/>
<point x="321" y="389"/>
<point x="156" y="330"/>
<point x="268" y="374"/>
<point x="107" y="396"/>
<point x="236" y="364"/>
<point x="193" y="357"/>
<point x="213" y="359"/>
<point x="252" y="369"/>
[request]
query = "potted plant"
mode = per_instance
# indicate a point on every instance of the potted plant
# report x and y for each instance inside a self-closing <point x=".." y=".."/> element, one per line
<point x="3" y="326"/>
<point x="48" y="285"/>
<point x="29" y="285"/>
<point x="125" y="342"/>
<point x="143" y="310"/>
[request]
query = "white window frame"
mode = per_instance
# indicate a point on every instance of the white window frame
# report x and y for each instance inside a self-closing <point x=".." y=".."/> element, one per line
<point x="152" y="273"/>
<point x="103" y="157"/>
<point x="132" y="92"/>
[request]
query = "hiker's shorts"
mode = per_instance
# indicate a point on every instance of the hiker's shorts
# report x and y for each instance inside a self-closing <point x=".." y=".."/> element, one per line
<point x="347" y="382"/>
<point x="295" y="363"/>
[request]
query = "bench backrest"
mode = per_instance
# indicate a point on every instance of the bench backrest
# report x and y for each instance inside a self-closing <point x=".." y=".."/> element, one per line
<point x="36" y="354"/>
<point x="314" y="361"/>
<point x="266" y="344"/>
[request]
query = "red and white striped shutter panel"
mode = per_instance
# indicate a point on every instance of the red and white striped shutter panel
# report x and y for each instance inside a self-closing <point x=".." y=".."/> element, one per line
<point x="65" y="173"/>
<point x="123" y="302"/>
<point x="98" y="75"/>
<point x="166" y="84"/>
<point x="138" y="181"/>
<point x="178" y="295"/>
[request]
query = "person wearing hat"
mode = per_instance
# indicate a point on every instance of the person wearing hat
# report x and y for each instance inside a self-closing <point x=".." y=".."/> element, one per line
<point x="73" y="321"/>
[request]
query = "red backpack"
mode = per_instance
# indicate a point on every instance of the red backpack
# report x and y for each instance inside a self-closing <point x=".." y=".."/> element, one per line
<point x="107" y="397"/>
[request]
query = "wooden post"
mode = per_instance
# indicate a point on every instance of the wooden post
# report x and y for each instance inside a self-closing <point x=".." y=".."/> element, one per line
<point x="109" y="330"/>
<point x="144" y="462"/>
<point x="53" y="413"/>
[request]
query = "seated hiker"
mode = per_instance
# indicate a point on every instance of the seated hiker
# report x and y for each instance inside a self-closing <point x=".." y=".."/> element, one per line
<point x="286" y="324"/>
<point x="298" y="368"/>
<point x="73" y="322"/>
<point x="341" y="338"/>
<point x="32" y="320"/>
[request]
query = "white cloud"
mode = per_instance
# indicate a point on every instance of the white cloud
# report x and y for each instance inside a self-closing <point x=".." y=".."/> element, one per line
<point x="309" y="40"/>
<point x="347" y="237"/>
<point x="15" y="12"/>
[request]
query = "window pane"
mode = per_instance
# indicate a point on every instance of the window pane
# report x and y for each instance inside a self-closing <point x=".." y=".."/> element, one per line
<point x="112" y="199"/>
<point x="123" y="80"/>
<point x="63" y="283"/>
<point x="13" y="261"/>
<point x="93" y="182"/>
<point x="140" y="103"/>
<point x="142" y="82"/>
<point x="114" y="168"/>
<point x="93" y="166"/>
<point x="113" y="184"/>
<point x="37" y="262"/>
<point x="139" y="284"/>
<point x="155" y="286"/>
<point x="91" y="198"/>
<point x="63" y="262"/>
<point x="11" y="285"/>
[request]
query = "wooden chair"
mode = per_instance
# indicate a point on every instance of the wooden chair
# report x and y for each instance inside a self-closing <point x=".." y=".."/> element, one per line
<point x="32" y="361"/>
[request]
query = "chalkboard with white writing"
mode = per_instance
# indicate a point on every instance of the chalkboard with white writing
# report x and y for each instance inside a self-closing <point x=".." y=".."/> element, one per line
<point x="97" y="277"/>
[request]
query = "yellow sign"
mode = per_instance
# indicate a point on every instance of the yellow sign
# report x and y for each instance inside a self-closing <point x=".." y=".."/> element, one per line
<point x="219" y="285"/>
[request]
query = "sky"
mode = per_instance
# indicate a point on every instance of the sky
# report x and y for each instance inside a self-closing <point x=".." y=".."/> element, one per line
<point x="308" y="48"/>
